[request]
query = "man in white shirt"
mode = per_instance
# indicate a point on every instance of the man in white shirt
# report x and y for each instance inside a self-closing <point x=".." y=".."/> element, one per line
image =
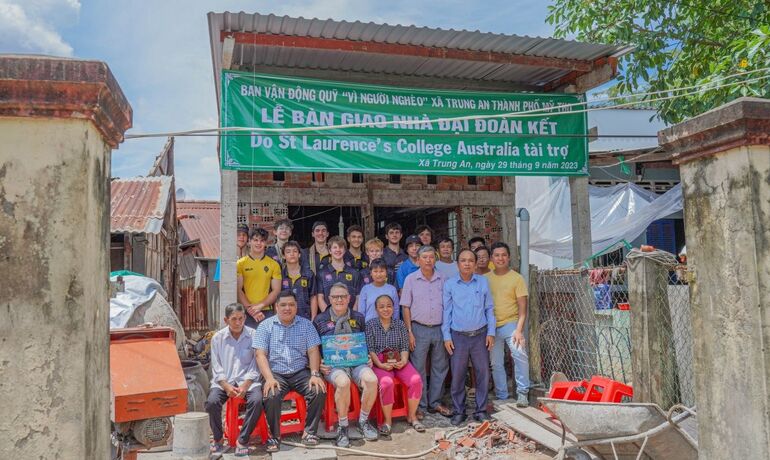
<point x="235" y="374"/>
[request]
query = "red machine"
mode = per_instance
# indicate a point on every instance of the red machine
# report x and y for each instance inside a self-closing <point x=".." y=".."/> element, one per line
<point x="147" y="387"/>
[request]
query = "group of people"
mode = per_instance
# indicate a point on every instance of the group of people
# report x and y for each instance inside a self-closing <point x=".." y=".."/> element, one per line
<point x="414" y="306"/>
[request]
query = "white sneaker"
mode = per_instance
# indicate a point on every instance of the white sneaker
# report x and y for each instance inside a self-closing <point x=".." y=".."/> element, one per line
<point x="522" y="400"/>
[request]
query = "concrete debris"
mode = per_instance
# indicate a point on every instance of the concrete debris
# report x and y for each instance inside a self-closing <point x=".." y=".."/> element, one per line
<point x="484" y="441"/>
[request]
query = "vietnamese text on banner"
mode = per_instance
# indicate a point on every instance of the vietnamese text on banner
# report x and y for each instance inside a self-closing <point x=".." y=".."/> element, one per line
<point x="325" y="126"/>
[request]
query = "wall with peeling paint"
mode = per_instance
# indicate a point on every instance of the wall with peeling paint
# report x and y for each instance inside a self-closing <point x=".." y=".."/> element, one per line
<point x="54" y="338"/>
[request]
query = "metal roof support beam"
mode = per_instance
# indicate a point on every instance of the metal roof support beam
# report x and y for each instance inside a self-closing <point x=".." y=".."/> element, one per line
<point x="331" y="44"/>
<point x="605" y="69"/>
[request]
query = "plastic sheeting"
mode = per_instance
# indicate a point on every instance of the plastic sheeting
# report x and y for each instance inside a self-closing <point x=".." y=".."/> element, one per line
<point x="144" y="301"/>
<point x="621" y="212"/>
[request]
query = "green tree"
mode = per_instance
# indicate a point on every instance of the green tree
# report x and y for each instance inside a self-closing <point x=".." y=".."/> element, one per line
<point x="677" y="43"/>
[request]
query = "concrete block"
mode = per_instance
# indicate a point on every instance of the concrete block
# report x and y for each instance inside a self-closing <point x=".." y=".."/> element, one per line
<point x="191" y="436"/>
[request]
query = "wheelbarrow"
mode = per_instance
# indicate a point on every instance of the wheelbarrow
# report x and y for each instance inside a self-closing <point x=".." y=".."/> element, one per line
<point x="627" y="431"/>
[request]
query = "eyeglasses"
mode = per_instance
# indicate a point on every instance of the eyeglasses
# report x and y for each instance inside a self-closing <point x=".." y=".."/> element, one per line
<point x="339" y="297"/>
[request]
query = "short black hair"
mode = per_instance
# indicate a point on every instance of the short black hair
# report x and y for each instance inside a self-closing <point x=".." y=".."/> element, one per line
<point x="286" y="293"/>
<point x="467" y="250"/>
<point x="292" y="244"/>
<point x="392" y="226"/>
<point x="446" y="239"/>
<point x="317" y="223"/>
<point x="260" y="232"/>
<point x="477" y="239"/>
<point x="378" y="263"/>
<point x="482" y="248"/>
<point x="286" y="222"/>
<point x="354" y="228"/>
<point x="377" y="300"/>
<point x="500" y="244"/>
<point x="232" y="308"/>
<point x="422" y="228"/>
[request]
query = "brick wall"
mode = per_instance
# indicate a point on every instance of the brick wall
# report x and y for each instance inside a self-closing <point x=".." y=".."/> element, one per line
<point x="479" y="221"/>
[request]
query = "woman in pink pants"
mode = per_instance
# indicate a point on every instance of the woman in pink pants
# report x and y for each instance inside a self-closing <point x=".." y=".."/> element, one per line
<point x="388" y="344"/>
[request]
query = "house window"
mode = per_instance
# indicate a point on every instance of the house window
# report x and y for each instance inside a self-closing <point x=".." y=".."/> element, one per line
<point x="358" y="178"/>
<point x="432" y="180"/>
<point x="279" y="176"/>
<point x="471" y="180"/>
<point x="395" y="178"/>
<point x="318" y="177"/>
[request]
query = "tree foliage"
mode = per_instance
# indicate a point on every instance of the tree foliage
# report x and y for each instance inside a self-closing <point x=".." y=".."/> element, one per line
<point x="677" y="43"/>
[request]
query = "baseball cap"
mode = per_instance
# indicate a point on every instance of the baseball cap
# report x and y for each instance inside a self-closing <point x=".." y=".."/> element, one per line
<point x="243" y="228"/>
<point x="412" y="239"/>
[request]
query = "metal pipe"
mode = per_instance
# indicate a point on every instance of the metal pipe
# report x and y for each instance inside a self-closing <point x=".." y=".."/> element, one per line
<point x="523" y="216"/>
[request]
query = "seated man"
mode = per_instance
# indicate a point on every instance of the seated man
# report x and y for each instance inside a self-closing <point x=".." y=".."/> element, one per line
<point x="289" y="358"/>
<point x="340" y="319"/>
<point x="234" y="369"/>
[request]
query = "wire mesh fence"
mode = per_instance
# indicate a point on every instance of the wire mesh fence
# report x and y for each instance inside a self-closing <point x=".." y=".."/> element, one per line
<point x="582" y="331"/>
<point x="584" y="327"/>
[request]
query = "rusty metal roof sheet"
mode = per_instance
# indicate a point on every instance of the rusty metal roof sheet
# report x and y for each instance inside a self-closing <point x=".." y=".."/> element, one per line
<point x="250" y="56"/>
<point x="138" y="204"/>
<point x="200" y="221"/>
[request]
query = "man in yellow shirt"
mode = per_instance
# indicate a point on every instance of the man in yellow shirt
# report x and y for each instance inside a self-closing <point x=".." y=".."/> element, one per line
<point x="259" y="280"/>
<point x="509" y="293"/>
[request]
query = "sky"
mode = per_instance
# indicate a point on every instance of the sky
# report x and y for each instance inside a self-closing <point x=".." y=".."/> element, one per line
<point x="160" y="55"/>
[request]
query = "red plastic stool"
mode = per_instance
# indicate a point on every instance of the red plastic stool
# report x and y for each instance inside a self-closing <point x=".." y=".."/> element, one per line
<point x="400" y="404"/>
<point x="572" y="391"/>
<point x="233" y="420"/>
<point x="330" y="410"/>
<point x="602" y="389"/>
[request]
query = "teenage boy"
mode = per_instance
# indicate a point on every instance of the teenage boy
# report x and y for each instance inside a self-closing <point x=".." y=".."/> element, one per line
<point x="374" y="251"/>
<point x="445" y="263"/>
<point x="317" y="255"/>
<point x="409" y="266"/>
<point x="355" y="256"/>
<point x="337" y="272"/>
<point x="259" y="279"/>
<point x="282" y="229"/>
<point x="477" y="242"/>
<point x="299" y="280"/>
<point x="377" y="287"/>
<point x="425" y="233"/>
<point x="509" y="291"/>
<point x="242" y="240"/>
<point x="393" y="254"/>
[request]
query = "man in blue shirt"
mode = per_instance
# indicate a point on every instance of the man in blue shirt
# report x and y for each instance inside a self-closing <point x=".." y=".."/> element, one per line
<point x="469" y="333"/>
<point x="289" y="358"/>
<point x="409" y="266"/>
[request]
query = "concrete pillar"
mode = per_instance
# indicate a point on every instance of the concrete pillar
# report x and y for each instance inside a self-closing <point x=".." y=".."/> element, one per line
<point x="508" y="215"/>
<point x="59" y="120"/>
<point x="581" y="218"/>
<point x="228" y="255"/>
<point x="724" y="158"/>
<point x="653" y="360"/>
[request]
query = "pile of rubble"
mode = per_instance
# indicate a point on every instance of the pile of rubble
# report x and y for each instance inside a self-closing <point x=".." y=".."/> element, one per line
<point x="483" y="441"/>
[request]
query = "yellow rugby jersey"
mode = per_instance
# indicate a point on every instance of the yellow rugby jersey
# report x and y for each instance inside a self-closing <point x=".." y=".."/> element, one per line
<point x="257" y="274"/>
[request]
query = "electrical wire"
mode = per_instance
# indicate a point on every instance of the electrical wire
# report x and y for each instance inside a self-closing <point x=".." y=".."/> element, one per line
<point x="521" y="114"/>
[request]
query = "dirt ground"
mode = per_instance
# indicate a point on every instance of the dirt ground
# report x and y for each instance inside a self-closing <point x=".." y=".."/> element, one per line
<point x="404" y="440"/>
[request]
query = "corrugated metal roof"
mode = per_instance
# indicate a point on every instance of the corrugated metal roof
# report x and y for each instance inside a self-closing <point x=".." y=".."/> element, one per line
<point x="138" y="204"/>
<point x="247" y="55"/>
<point x="200" y="221"/>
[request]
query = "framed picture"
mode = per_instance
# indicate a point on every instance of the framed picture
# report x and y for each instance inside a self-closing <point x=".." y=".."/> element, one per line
<point x="344" y="350"/>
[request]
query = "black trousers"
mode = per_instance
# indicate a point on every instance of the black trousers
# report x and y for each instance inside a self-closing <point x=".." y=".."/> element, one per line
<point x="298" y="382"/>
<point x="218" y="397"/>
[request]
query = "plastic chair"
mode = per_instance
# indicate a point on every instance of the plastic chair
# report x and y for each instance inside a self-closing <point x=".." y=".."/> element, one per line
<point x="330" y="410"/>
<point x="400" y="404"/>
<point x="603" y="389"/>
<point x="234" y="421"/>
<point x="572" y="391"/>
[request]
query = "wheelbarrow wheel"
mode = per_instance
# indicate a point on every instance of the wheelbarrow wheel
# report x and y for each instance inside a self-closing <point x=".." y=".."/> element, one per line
<point x="573" y="453"/>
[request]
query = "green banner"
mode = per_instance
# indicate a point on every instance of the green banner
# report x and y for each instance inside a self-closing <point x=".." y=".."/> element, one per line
<point x="325" y="126"/>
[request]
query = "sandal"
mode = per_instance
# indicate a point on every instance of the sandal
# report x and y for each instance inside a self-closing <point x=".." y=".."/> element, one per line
<point x="385" y="430"/>
<point x="417" y="425"/>
<point x="273" y="445"/>
<point x="241" y="451"/>
<point x="218" y="448"/>
<point x="310" y="440"/>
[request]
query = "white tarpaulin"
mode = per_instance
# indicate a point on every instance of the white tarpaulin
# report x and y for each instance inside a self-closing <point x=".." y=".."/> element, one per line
<point x="621" y="212"/>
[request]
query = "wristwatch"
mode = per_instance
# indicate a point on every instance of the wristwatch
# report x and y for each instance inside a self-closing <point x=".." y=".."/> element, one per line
<point x="315" y="374"/>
